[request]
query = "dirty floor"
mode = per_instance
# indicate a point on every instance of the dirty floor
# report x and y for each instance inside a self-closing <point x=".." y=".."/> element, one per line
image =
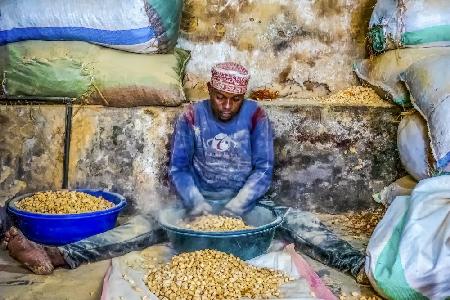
<point x="85" y="283"/>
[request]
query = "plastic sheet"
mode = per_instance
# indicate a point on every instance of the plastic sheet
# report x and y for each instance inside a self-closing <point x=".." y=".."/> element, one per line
<point x="407" y="255"/>
<point x="125" y="276"/>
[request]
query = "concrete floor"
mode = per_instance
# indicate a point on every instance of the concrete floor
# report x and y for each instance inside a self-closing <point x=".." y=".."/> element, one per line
<point x="85" y="282"/>
<point x="17" y="283"/>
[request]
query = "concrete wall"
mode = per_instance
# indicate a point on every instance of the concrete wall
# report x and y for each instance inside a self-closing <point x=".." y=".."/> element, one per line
<point x="296" y="48"/>
<point x="31" y="149"/>
<point x="328" y="158"/>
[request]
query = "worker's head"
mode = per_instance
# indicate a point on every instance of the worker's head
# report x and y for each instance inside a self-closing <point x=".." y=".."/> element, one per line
<point x="227" y="89"/>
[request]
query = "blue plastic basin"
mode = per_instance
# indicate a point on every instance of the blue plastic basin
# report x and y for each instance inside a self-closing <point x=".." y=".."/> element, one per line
<point x="57" y="230"/>
<point x="245" y="244"/>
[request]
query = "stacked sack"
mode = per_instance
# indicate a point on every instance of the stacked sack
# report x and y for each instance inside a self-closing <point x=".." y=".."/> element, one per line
<point x="412" y="40"/>
<point x="407" y="255"/>
<point x="399" y="24"/>
<point x="111" y="52"/>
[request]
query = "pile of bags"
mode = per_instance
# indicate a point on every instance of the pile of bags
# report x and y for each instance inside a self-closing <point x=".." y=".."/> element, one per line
<point x="407" y="256"/>
<point x="414" y="37"/>
<point x="111" y="52"/>
<point x="399" y="24"/>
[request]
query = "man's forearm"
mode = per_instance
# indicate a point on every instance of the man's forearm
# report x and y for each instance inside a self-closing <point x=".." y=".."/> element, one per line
<point x="257" y="185"/>
<point x="258" y="182"/>
<point x="187" y="189"/>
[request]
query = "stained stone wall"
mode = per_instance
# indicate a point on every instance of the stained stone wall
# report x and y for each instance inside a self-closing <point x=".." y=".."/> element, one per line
<point x="125" y="151"/>
<point x="328" y="158"/>
<point x="31" y="149"/>
<point x="333" y="158"/>
<point x="297" y="48"/>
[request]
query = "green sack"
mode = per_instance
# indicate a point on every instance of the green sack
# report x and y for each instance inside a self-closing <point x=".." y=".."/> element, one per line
<point x="92" y="73"/>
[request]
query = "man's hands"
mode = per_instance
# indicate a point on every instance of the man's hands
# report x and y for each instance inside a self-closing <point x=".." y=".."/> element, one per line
<point x="229" y="213"/>
<point x="233" y="208"/>
<point x="236" y="207"/>
<point x="239" y="204"/>
<point x="202" y="208"/>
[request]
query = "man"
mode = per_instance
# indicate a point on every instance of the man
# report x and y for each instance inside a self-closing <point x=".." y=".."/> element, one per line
<point x="222" y="155"/>
<point x="221" y="162"/>
<point x="223" y="147"/>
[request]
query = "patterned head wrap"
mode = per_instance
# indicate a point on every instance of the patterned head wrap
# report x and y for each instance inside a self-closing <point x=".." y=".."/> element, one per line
<point x="230" y="77"/>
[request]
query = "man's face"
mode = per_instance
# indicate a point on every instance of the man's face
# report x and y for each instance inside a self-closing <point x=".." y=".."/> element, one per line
<point x="224" y="105"/>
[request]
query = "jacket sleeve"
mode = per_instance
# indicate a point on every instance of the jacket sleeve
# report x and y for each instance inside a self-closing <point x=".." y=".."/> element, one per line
<point x="259" y="181"/>
<point x="180" y="171"/>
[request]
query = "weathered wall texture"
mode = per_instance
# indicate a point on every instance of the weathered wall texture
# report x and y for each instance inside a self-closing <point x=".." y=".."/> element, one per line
<point x="123" y="150"/>
<point x="31" y="149"/>
<point x="295" y="47"/>
<point x="332" y="159"/>
<point x="328" y="158"/>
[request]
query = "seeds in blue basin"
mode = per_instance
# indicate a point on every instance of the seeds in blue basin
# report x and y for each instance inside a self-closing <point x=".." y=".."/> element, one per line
<point x="63" y="202"/>
<point x="217" y="223"/>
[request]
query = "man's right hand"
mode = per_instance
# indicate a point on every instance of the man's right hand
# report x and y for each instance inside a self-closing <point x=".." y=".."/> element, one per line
<point x="202" y="208"/>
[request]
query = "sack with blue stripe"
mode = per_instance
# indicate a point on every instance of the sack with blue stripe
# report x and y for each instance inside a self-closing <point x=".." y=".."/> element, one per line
<point x="140" y="26"/>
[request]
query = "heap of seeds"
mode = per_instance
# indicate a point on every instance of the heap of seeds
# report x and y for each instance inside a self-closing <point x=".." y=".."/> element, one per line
<point x="353" y="95"/>
<point x="63" y="202"/>
<point x="217" y="223"/>
<point x="358" y="224"/>
<point x="210" y="274"/>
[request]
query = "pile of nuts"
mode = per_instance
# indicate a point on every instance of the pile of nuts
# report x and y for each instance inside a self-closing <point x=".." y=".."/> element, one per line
<point x="210" y="274"/>
<point x="359" y="223"/>
<point x="353" y="95"/>
<point x="63" y="202"/>
<point x="217" y="223"/>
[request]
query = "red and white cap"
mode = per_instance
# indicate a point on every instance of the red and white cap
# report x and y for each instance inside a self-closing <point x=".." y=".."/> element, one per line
<point x="230" y="77"/>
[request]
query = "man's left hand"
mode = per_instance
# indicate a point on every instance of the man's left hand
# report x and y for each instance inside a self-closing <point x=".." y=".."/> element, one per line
<point x="202" y="208"/>
<point x="234" y="208"/>
<point x="228" y="213"/>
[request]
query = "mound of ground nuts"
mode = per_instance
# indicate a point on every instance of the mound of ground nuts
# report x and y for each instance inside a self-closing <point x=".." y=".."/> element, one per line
<point x="217" y="223"/>
<point x="210" y="274"/>
<point x="353" y="95"/>
<point x="63" y="202"/>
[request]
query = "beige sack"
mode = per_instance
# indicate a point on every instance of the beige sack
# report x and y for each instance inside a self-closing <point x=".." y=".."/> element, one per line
<point x="382" y="72"/>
